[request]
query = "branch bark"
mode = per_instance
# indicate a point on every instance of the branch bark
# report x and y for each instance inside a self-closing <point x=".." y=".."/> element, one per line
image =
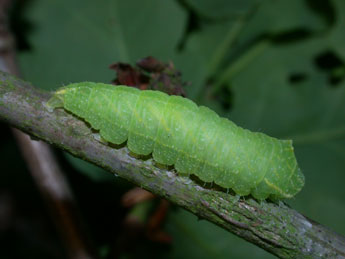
<point x="278" y="229"/>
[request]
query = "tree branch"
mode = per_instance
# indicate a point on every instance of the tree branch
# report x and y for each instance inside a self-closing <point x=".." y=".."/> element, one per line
<point x="276" y="228"/>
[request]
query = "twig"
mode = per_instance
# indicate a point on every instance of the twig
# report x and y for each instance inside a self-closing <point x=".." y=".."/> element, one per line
<point x="276" y="228"/>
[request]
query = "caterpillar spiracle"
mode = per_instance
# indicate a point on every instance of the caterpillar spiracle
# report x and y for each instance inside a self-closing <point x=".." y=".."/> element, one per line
<point x="194" y="139"/>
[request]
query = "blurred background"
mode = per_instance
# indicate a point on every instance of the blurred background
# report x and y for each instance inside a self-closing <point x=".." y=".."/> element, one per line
<point x="274" y="66"/>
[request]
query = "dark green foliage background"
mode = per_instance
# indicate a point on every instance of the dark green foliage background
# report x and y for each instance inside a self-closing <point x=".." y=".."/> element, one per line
<point x="271" y="65"/>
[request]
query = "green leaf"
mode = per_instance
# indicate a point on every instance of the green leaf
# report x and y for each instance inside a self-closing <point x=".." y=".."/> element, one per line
<point x="221" y="9"/>
<point x="77" y="41"/>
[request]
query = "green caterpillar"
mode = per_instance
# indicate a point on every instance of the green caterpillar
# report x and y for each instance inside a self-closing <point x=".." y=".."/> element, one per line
<point x="194" y="139"/>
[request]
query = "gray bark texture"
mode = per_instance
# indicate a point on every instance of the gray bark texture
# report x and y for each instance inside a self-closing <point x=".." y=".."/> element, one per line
<point x="276" y="228"/>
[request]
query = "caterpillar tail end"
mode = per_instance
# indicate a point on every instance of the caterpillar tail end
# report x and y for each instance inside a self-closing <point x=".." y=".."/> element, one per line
<point x="56" y="101"/>
<point x="294" y="186"/>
